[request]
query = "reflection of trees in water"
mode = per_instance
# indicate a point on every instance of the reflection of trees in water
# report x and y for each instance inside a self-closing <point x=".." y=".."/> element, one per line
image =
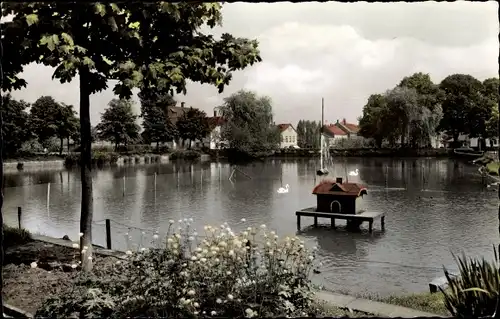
<point x="340" y="243"/>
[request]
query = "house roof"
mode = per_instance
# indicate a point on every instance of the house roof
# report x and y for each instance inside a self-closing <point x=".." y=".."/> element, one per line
<point x="328" y="187"/>
<point x="284" y="127"/>
<point x="352" y="128"/>
<point x="175" y="112"/>
<point x="333" y="130"/>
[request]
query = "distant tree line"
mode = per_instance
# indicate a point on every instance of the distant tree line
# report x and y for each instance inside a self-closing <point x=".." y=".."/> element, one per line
<point x="39" y="123"/>
<point x="417" y="110"/>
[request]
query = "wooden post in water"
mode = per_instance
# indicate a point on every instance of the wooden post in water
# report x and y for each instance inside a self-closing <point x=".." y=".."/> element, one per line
<point x="123" y="185"/>
<point x="48" y="198"/>
<point x="108" y="233"/>
<point x="19" y="213"/>
<point x="155" y="181"/>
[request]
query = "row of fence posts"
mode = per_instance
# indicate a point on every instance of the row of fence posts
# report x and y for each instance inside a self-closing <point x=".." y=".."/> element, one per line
<point x="108" y="221"/>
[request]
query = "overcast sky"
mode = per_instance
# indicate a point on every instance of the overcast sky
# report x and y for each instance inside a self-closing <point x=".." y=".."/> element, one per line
<point x="340" y="51"/>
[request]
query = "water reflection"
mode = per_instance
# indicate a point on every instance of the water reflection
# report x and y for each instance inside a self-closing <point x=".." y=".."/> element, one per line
<point x="431" y="206"/>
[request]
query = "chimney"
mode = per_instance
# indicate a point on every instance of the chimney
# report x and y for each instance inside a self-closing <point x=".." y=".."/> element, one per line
<point x="274" y="123"/>
<point x="337" y="121"/>
<point x="343" y="121"/>
<point x="215" y="113"/>
<point x="182" y="104"/>
<point x="339" y="180"/>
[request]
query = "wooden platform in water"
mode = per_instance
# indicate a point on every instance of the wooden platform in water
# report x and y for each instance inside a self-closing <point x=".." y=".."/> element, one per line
<point x="361" y="217"/>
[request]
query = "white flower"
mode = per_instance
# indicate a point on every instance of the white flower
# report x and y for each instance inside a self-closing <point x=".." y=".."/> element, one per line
<point x="263" y="226"/>
<point x="182" y="300"/>
<point x="193" y="258"/>
<point x="178" y="236"/>
<point x="196" y="312"/>
<point x="311" y="258"/>
<point x="170" y="240"/>
<point x="80" y="234"/>
<point x="85" y="248"/>
<point x="171" y="221"/>
<point x="245" y="233"/>
<point x="243" y="220"/>
<point x="34" y="264"/>
<point x="75" y="245"/>
<point x="191" y="238"/>
<point x="315" y="248"/>
<point x="180" y="221"/>
<point x="231" y="252"/>
<point x="213" y="313"/>
<point x="89" y="257"/>
<point x="155" y="236"/>
<point x="196" y="305"/>
<point x="218" y="300"/>
<point x="203" y="260"/>
<point x="191" y="292"/>
<point x="74" y="266"/>
<point x="143" y="249"/>
<point x="249" y="312"/>
<point x="191" y="220"/>
<point x="228" y="273"/>
<point x="230" y="297"/>
<point x="128" y="252"/>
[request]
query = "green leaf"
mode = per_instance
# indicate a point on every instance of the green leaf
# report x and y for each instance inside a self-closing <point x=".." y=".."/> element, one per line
<point x="67" y="38"/>
<point x="88" y="62"/>
<point x="55" y="39"/>
<point x="115" y="8"/>
<point x="31" y="19"/>
<point x="100" y="9"/>
<point x="48" y="41"/>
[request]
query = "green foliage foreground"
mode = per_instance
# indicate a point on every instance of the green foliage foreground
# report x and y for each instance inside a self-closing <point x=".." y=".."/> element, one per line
<point x="475" y="293"/>
<point x="250" y="274"/>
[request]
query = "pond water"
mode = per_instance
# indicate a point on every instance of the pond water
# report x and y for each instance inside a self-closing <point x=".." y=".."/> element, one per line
<point x="433" y="207"/>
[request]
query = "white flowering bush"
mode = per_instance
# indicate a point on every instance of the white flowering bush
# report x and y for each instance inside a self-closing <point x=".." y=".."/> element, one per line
<point x="250" y="274"/>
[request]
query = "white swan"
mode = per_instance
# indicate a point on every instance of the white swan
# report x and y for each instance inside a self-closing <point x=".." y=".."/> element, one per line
<point x="354" y="173"/>
<point x="282" y="190"/>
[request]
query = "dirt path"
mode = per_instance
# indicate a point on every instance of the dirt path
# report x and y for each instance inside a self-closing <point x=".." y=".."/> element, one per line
<point x="26" y="287"/>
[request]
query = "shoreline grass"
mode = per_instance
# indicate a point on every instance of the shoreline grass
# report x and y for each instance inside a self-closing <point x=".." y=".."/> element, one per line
<point x="426" y="302"/>
<point x="492" y="168"/>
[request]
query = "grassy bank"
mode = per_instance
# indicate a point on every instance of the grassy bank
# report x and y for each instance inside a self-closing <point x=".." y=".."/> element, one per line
<point x="433" y="303"/>
<point x="492" y="168"/>
<point x="427" y="302"/>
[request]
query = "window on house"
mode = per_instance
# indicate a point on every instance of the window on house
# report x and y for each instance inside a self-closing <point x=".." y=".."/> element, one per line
<point x="286" y="139"/>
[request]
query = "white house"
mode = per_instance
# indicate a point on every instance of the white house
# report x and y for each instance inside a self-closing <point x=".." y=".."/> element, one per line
<point x="288" y="136"/>
<point x="214" y="139"/>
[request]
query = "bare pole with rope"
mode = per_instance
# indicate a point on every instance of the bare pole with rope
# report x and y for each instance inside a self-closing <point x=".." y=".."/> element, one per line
<point x="1" y="177"/>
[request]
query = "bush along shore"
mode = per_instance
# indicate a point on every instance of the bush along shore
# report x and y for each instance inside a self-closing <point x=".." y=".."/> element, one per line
<point x="221" y="274"/>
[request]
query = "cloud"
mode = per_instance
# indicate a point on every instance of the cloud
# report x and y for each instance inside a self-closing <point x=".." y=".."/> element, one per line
<point x="342" y="52"/>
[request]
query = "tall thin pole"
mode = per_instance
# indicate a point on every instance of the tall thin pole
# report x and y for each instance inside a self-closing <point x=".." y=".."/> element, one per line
<point x="1" y="180"/>
<point x="321" y="130"/>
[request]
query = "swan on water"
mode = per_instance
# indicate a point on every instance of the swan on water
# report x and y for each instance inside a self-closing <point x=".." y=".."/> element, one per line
<point x="282" y="190"/>
<point x="354" y="173"/>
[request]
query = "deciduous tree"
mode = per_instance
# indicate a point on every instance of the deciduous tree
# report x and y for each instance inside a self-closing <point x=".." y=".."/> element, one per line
<point x="125" y="42"/>
<point x="15" y="128"/>
<point x="462" y="95"/>
<point x="248" y="124"/>
<point x="118" y="123"/>
<point x="158" y="128"/>
<point x="43" y="118"/>
<point x="193" y="125"/>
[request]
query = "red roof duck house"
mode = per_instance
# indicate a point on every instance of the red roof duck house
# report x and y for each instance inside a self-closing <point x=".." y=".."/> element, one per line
<point x="338" y="197"/>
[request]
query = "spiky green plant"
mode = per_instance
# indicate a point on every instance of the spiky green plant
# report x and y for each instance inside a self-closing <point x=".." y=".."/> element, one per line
<point x="474" y="293"/>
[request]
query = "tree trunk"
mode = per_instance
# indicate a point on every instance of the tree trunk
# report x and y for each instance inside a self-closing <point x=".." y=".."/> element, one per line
<point x="1" y="181"/>
<point x="87" y="204"/>
<point x="157" y="146"/>
<point x="61" y="145"/>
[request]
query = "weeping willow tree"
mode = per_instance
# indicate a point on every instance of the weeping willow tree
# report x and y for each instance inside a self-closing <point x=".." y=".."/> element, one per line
<point x="248" y="124"/>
